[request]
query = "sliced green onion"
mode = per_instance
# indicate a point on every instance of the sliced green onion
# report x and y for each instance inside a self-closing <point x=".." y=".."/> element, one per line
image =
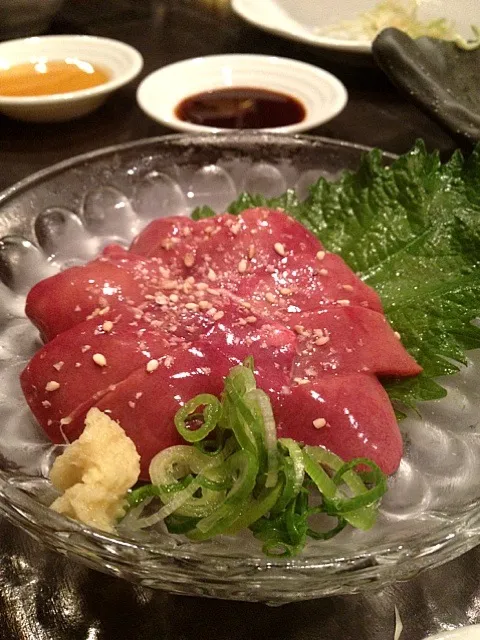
<point x="269" y="430"/>
<point x="255" y="509"/>
<point x="244" y="467"/>
<point x="235" y="474"/>
<point x="211" y="415"/>
<point x="137" y="496"/>
<point x="171" y="466"/>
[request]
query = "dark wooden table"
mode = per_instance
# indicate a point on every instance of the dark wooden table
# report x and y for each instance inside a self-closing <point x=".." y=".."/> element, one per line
<point x="45" y="597"/>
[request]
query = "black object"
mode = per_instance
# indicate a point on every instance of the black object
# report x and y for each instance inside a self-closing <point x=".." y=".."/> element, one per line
<point x="440" y="77"/>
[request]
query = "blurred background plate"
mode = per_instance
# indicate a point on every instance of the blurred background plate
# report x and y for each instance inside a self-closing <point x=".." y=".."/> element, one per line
<point x="303" y="21"/>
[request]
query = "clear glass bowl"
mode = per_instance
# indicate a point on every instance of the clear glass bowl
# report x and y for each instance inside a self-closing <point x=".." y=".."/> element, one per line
<point x="64" y="215"/>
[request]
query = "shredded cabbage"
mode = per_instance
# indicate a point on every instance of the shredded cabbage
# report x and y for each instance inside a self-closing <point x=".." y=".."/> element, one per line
<point x="403" y="16"/>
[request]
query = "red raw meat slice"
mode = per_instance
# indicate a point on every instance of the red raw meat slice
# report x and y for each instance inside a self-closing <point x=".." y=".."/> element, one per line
<point x="259" y="252"/>
<point x="359" y="419"/>
<point x="163" y="237"/>
<point x="68" y="298"/>
<point x="145" y="404"/>
<point x="349" y="339"/>
<point x="301" y="283"/>
<point x="66" y="365"/>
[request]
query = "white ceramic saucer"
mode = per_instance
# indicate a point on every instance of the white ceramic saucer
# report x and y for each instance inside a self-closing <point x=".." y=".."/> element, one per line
<point x="322" y="94"/>
<point x="122" y="62"/>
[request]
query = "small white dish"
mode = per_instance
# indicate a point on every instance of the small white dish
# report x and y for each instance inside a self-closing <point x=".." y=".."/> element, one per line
<point x="122" y="62"/>
<point x="322" y="95"/>
<point x="301" y="21"/>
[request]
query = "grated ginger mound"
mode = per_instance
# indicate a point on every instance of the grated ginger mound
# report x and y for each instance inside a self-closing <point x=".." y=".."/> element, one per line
<point x="95" y="472"/>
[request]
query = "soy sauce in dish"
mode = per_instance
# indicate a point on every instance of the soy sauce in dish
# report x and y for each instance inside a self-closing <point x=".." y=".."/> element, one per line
<point x="241" y="108"/>
<point x="44" y="77"/>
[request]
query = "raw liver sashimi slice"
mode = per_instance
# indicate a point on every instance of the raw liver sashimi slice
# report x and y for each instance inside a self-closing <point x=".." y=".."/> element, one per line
<point x="68" y="298"/>
<point x="145" y="403"/>
<point x="360" y="421"/>
<point x="258" y="252"/>
<point x="348" y="339"/>
<point x="66" y="365"/>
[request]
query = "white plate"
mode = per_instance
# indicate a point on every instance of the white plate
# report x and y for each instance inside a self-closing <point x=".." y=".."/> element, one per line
<point x="321" y="93"/>
<point x="464" y="633"/>
<point x="299" y="20"/>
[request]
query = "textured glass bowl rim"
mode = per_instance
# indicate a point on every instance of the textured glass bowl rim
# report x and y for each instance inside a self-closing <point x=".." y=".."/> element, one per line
<point x="365" y="568"/>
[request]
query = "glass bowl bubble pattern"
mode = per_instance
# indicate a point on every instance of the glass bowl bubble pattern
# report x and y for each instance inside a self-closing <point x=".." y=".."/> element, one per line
<point x="63" y="216"/>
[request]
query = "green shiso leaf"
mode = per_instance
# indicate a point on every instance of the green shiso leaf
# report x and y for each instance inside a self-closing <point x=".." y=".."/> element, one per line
<point x="411" y="230"/>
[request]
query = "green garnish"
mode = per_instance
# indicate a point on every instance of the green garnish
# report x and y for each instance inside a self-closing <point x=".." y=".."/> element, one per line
<point x="238" y="475"/>
<point x="412" y="232"/>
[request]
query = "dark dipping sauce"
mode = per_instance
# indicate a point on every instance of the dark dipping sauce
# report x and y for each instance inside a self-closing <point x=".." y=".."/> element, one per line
<point x="241" y="108"/>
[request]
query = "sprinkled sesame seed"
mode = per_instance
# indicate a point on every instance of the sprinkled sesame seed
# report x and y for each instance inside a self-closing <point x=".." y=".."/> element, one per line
<point x="251" y="319"/>
<point x="66" y="420"/>
<point x="299" y="329"/>
<point x="211" y="275"/>
<point x="285" y="291"/>
<point x="53" y="385"/>
<point x="343" y="303"/>
<point x="242" y="265"/>
<point x="319" y="423"/>
<point x="85" y="348"/>
<point x="212" y="311"/>
<point x="77" y="365"/>
<point x="138" y="395"/>
<point x="322" y="340"/>
<point x="164" y="272"/>
<point x="189" y="260"/>
<point x="301" y="380"/>
<point x="152" y="365"/>
<point x="235" y="228"/>
<point x="169" y="285"/>
<point x="201" y="286"/>
<point x="103" y="311"/>
<point x="320" y="255"/>
<point x="190" y="280"/>
<point x="347" y="287"/>
<point x="219" y="315"/>
<point x="78" y="308"/>
<point x="131" y="404"/>
<point x="173" y="297"/>
<point x="99" y="359"/>
<point x="58" y="365"/>
<point x="269" y="297"/>
<point x="46" y="404"/>
<point x="279" y="248"/>
<point x="191" y="306"/>
<point x="323" y="272"/>
<point x="107" y="326"/>
<point x="204" y="304"/>
<point x="251" y="251"/>
<point x="245" y="304"/>
<point x="397" y="335"/>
